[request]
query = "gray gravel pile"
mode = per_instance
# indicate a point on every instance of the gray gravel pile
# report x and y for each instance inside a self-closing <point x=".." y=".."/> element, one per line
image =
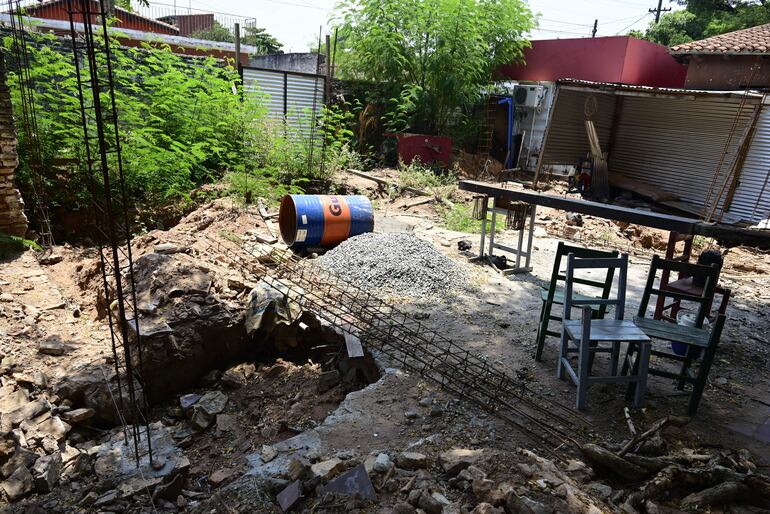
<point x="399" y="264"/>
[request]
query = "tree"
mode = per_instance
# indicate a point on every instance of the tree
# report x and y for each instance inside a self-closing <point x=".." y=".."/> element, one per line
<point x="259" y="37"/>
<point x="705" y="18"/>
<point x="432" y="57"/>
<point x="217" y="32"/>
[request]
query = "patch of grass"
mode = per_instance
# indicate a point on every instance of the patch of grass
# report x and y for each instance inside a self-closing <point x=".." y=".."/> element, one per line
<point x="437" y="183"/>
<point x="459" y="218"/>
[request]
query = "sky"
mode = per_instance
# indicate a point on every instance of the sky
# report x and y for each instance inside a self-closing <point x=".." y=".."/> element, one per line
<point x="296" y="23"/>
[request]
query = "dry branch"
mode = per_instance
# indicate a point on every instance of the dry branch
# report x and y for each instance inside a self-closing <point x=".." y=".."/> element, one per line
<point x="676" y="421"/>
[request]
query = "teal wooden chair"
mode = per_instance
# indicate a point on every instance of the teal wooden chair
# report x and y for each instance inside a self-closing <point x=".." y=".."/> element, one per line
<point x="697" y="339"/>
<point x="554" y="294"/>
<point x="587" y="336"/>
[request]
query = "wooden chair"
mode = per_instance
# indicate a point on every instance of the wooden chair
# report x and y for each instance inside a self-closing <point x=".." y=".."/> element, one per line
<point x="589" y="333"/>
<point x="555" y="296"/>
<point x="684" y="282"/>
<point x="695" y="338"/>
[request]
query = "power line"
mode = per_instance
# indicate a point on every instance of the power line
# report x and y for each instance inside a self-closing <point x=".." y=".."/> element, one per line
<point x="632" y="24"/>
<point x="567" y="22"/>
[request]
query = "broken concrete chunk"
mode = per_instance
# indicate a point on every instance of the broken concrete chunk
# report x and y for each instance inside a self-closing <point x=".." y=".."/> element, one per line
<point x="78" y="415"/>
<point x="107" y="498"/>
<point x="327" y="469"/>
<point x="46" y="472"/>
<point x="206" y="409"/>
<point x="12" y="400"/>
<point x="29" y="410"/>
<point x="233" y="378"/>
<point x="354" y="483"/>
<point x="18" y="485"/>
<point x="220" y="476"/>
<point x="227" y="422"/>
<point x="457" y="459"/>
<point x="54" y="427"/>
<point x="382" y="463"/>
<point x="166" y="248"/>
<point x="412" y="460"/>
<point x="22" y="458"/>
<point x="51" y="347"/>
<point x="268" y="453"/>
<point x="297" y="468"/>
<point x="290" y="496"/>
<point x="327" y="380"/>
<point x="429" y="504"/>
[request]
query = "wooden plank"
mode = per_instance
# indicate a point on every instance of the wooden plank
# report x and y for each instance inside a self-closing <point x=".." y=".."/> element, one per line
<point x="417" y="202"/>
<point x="672" y="332"/>
<point x="607" y="330"/>
<point x="386" y="182"/>
<point x="641" y="188"/>
<point x="270" y="227"/>
<point x="607" y="211"/>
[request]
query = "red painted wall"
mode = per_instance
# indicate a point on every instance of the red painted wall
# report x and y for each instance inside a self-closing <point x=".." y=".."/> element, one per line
<point x="602" y="59"/>
<point x="58" y="11"/>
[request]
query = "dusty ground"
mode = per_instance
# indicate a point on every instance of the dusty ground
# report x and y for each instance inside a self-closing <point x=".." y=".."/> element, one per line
<point x="498" y="318"/>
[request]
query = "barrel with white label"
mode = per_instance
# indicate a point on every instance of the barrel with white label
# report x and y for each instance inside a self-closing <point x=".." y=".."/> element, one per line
<point x="323" y="220"/>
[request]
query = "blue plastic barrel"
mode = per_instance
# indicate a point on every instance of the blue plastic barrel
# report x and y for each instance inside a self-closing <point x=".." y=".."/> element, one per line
<point x="323" y="220"/>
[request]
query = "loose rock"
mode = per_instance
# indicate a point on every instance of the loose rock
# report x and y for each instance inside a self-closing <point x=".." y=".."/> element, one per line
<point x="412" y="460"/>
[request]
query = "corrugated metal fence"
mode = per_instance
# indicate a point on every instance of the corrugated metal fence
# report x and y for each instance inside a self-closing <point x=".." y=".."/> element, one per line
<point x="752" y="197"/>
<point x="293" y="100"/>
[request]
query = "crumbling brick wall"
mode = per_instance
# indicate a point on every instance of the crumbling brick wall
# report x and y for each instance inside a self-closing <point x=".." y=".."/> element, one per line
<point x="12" y="219"/>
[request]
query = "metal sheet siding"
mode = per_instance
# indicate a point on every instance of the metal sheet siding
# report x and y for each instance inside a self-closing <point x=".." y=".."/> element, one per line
<point x="676" y="143"/>
<point x="755" y="175"/>
<point x="301" y="104"/>
<point x="567" y="141"/>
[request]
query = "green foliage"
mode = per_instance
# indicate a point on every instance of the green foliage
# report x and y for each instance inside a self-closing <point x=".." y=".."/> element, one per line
<point x="439" y="184"/>
<point x="181" y="124"/>
<point x="459" y="218"/>
<point x="705" y="18"/>
<point x="217" y="32"/>
<point x="434" y="57"/>
<point x="256" y="36"/>
<point x="15" y="243"/>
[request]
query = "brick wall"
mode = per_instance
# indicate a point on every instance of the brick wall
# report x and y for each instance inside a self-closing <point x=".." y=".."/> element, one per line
<point x="12" y="219"/>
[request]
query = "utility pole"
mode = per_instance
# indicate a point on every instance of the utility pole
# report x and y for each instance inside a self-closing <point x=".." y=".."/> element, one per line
<point x="659" y="10"/>
<point x="596" y="24"/>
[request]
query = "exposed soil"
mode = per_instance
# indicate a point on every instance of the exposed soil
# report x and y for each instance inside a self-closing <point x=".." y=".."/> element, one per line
<point x="280" y="401"/>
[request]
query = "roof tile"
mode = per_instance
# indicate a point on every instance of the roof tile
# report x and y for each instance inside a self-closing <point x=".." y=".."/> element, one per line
<point x="754" y="40"/>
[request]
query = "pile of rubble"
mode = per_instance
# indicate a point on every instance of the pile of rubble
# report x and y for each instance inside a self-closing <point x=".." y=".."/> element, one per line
<point x="398" y="264"/>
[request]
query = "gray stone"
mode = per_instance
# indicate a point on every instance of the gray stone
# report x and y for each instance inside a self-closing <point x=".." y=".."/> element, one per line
<point x="46" y="472"/>
<point x="411" y="414"/>
<point x="601" y="490"/>
<point x="18" y="485"/>
<point x="22" y="458"/>
<point x="403" y="508"/>
<point x="51" y="347"/>
<point x="166" y="248"/>
<point x="426" y="401"/>
<point x="29" y="410"/>
<point x="290" y="496"/>
<point x="54" y="427"/>
<point x="457" y="459"/>
<point x="268" y="453"/>
<point x="429" y="504"/>
<point x="78" y="415"/>
<point x="486" y="508"/>
<point x="107" y="498"/>
<point x="412" y="460"/>
<point x="354" y="482"/>
<point x="381" y="463"/>
<point x="524" y="505"/>
<point x="206" y="409"/>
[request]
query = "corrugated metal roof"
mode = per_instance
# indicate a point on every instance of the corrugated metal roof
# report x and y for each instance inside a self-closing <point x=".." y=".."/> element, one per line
<point x="655" y="91"/>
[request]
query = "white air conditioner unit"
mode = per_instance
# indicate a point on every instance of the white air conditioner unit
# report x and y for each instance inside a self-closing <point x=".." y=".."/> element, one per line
<point x="527" y="95"/>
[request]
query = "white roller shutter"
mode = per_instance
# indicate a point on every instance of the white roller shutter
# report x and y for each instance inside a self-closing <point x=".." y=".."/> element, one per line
<point x="676" y="143"/>
<point x="566" y="141"/>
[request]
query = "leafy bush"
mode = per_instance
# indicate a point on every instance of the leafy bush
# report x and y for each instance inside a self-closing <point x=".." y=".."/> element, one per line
<point x="460" y="219"/>
<point x="440" y="184"/>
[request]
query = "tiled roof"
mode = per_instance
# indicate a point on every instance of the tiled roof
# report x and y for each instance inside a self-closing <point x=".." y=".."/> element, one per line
<point x="753" y="41"/>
